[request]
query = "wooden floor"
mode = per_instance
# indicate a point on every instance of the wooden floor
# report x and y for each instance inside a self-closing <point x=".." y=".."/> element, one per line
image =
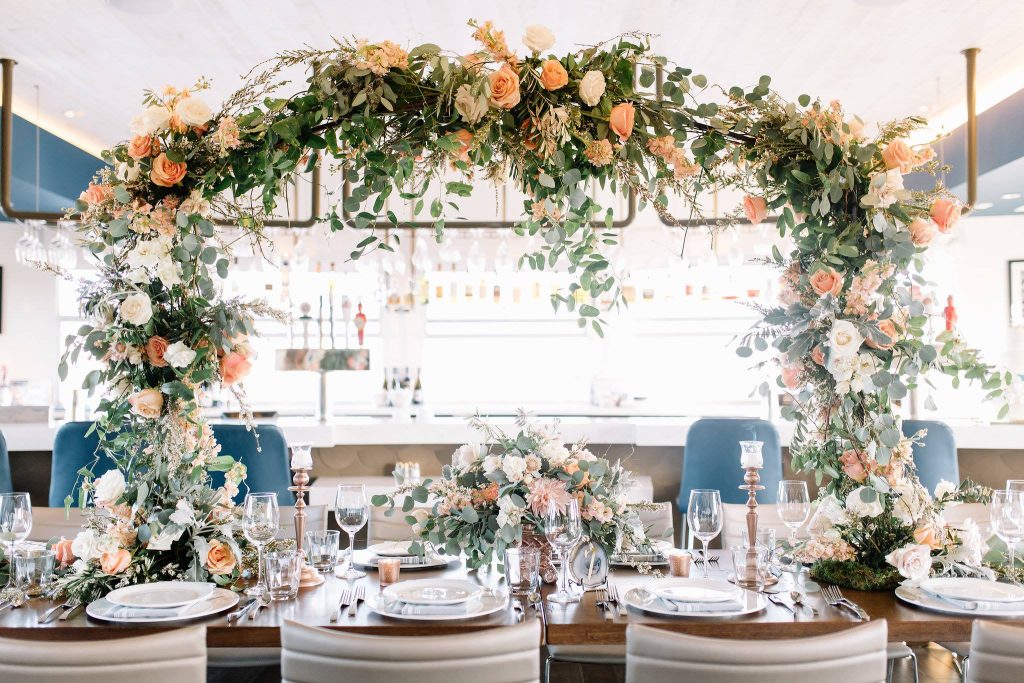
<point x="936" y="666"/>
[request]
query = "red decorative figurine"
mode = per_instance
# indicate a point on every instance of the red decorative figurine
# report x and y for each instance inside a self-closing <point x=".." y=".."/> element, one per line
<point x="360" y="320"/>
<point x="950" y="313"/>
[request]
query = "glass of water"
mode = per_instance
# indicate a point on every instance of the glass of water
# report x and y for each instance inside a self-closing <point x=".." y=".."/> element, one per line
<point x="15" y="523"/>
<point x="33" y="570"/>
<point x="260" y="519"/>
<point x="522" y="570"/>
<point x="322" y="549"/>
<point x="284" y="570"/>
<point x="351" y="512"/>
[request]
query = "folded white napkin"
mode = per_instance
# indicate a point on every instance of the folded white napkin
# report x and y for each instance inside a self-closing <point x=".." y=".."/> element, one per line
<point x="120" y="612"/>
<point x="428" y="610"/>
<point x="691" y="607"/>
<point x="978" y="605"/>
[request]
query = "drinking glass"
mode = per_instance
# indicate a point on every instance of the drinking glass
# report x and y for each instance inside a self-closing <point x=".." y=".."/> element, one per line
<point x="704" y="515"/>
<point x="15" y="524"/>
<point x="794" y="505"/>
<point x="563" y="529"/>
<point x="751" y="566"/>
<point x="33" y="568"/>
<point x="351" y="511"/>
<point x="1008" y="519"/>
<point x="322" y="549"/>
<point x="284" y="571"/>
<point x="260" y="519"/>
<point x="522" y="570"/>
<point x="1015" y="484"/>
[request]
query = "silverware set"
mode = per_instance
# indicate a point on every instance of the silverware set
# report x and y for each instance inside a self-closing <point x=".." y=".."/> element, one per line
<point x="240" y="613"/>
<point x="835" y="597"/>
<point x="349" y="601"/>
<point x="520" y="611"/>
<point x="610" y="602"/>
<point x="61" y="612"/>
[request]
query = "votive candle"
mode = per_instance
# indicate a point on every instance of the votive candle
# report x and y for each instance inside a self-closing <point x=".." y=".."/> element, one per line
<point x="388" y="569"/>
<point x="679" y="563"/>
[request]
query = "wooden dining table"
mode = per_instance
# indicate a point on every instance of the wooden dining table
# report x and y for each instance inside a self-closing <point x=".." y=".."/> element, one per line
<point x="581" y="623"/>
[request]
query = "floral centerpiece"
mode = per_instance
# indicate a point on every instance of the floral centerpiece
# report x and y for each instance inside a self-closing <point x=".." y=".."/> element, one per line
<point x="497" y="491"/>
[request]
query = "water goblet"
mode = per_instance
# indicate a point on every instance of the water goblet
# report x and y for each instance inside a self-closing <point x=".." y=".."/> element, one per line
<point x="704" y="515"/>
<point x="260" y="520"/>
<point x="15" y="524"/>
<point x="1007" y="514"/>
<point x="351" y="511"/>
<point x="563" y="529"/>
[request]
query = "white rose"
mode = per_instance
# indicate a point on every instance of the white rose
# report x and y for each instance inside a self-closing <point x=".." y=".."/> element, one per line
<point x="913" y="561"/>
<point x="592" y="88"/>
<point x="421" y="516"/>
<point x="910" y="505"/>
<point x="555" y="453"/>
<point x="944" y="488"/>
<point x="514" y="467"/>
<point x="829" y="513"/>
<point x="163" y="539"/>
<point x="538" y="38"/>
<point x="844" y="338"/>
<point x="859" y="507"/>
<point x="108" y="488"/>
<point x="128" y="173"/>
<point x="152" y="120"/>
<point x="84" y="545"/>
<point x="586" y="456"/>
<point x="145" y="254"/>
<point x="492" y="463"/>
<point x="178" y="355"/>
<point x="466" y="455"/>
<point x="136" y="309"/>
<point x="193" y="111"/>
<point x="470" y="107"/>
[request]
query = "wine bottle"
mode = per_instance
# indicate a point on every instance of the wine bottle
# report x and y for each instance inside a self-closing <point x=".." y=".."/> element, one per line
<point x="417" y="391"/>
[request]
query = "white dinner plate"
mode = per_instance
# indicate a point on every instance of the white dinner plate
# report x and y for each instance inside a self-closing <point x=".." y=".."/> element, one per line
<point x="161" y="594"/>
<point x="391" y="548"/>
<point x="433" y="591"/>
<point x="919" y="598"/>
<point x="646" y="601"/>
<point x="367" y="560"/>
<point x="482" y="606"/>
<point x="219" y="601"/>
<point x="971" y="588"/>
<point x="696" y="590"/>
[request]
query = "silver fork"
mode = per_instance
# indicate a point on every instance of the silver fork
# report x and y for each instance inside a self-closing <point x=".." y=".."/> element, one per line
<point x="616" y="596"/>
<point x="602" y="602"/>
<point x="360" y="594"/>
<point x="834" y="597"/>
<point x="343" y="602"/>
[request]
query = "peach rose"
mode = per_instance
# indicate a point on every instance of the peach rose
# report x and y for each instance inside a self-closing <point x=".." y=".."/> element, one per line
<point x="756" y="209"/>
<point x="791" y="376"/>
<point x="234" y="367"/>
<point x="531" y="138"/>
<point x="504" y="88"/>
<point x="945" y="212"/>
<point x="826" y="281"/>
<point x="147" y="403"/>
<point x="818" y="355"/>
<point x="897" y="154"/>
<point x="465" y="139"/>
<point x="97" y="194"/>
<point x="928" y="535"/>
<point x="621" y="120"/>
<point x="143" y="146"/>
<point x="62" y="552"/>
<point x="922" y="231"/>
<point x="853" y="465"/>
<point x="167" y="173"/>
<point x="115" y="562"/>
<point x="155" y="349"/>
<point x="219" y="558"/>
<point x="553" y="75"/>
<point x="888" y="328"/>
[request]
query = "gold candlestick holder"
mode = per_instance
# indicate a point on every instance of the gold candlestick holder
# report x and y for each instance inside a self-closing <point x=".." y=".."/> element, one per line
<point x="751" y="485"/>
<point x="300" y="480"/>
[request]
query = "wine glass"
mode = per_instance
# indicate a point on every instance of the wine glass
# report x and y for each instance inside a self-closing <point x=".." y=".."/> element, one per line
<point x="15" y="524"/>
<point x="794" y="506"/>
<point x="704" y="515"/>
<point x="351" y="511"/>
<point x="563" y="529"/>
<point x="1008" y="519"/>
<point x="260" y="520"/>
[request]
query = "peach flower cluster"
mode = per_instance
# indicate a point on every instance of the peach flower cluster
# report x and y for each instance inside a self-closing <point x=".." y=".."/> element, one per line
<point x="665" y="148"/>
<point x="381" y="57"/>
<point x="599" y="152"/>
<point x="865" y="285"/>
<point x="494" y="43"/>
<point x="898" y="154"/>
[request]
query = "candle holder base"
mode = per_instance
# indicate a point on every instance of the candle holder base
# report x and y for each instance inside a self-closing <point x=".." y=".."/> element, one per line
<point x="310" y="577"/>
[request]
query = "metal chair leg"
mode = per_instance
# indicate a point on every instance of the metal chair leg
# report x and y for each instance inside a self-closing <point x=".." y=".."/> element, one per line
<point x="547" y="668"/>
<point x="913" y="662"/>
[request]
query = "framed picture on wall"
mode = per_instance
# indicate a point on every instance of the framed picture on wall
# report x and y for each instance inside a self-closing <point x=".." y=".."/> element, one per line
<point x="1017" y="293"/>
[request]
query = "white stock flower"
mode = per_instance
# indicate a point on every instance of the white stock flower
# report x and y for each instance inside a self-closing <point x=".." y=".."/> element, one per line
<point x="193" y="111"/>
<point x="970" y="547"/>
<point x="911" y="503"/>
<point x="514" y="467"/>
<point x="885" y="189"/>
<point x="538" y="38"/>
<point x="179" y="355"/>
<point x="844" y="339"/>
<point x="152" y="120"/>
<point x="592" y="88"/>
<point x="136" y="309"/>
<point x="858" y="507"/>
<point x="471" y="107"/>
<point x="555" y="453"/>
<point x="109" y="487"/>
<point x="466" y="455"/>
<point x="944" y="488"/>
<point x="492" y="463"/>
<point x="84" y="545"/>
<point x="912" y="561"/>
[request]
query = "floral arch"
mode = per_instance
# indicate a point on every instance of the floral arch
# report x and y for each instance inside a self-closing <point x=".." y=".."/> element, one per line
<point x="848" y="334"/>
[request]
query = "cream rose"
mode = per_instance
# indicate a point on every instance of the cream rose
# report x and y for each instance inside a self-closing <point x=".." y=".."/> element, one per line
<point x="912" y="561"/>
<point x="193" y="111"/>
<point x="592" y="88"/>
<point x="179" y="355"/>
<point x="152" y="120"/>
<point x="504" y="88"/>
<point x="844" y="339"/>
<point x="466" y="455"/>
<point x="538" y="38"/>
<point x="147" y="403"/>
<point x="109" y="487"/>
<point x="136" y="309"/>
<point x="469" y="106"/>
<point x="863" y="501"/>
<point x="220" y="559"/>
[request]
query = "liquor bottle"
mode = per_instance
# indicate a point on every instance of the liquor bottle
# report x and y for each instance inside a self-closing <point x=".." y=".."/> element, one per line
<point x="406" y="380"/>
<point x="417" y="391"/>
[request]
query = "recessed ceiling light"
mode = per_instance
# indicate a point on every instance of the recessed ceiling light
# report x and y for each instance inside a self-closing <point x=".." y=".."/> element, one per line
<point x="72" y="114"/>
<point x="1010" y="195"/>
<point x="981" y="206"/>
<point x="1019" y="209"/>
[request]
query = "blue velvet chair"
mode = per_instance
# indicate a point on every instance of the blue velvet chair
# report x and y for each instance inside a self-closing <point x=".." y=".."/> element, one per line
<point x="6" y="485"/>
<point x="267" y="470"/>
<point x="935" y="455"/>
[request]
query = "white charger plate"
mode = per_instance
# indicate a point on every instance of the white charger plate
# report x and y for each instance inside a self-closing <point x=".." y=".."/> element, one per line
<point x="221" y="601"/>
<point x="696" y="590"/>
<point x="391" y="549"/>
<point x="161" y="594"/>
<point x="973" y="588"/>
<point x="919" y="598"/>
<point x="367" y="560"/>
<point x="646" y="601"/>
<point x="433" y="591"/>
<point x="482" y="606"/>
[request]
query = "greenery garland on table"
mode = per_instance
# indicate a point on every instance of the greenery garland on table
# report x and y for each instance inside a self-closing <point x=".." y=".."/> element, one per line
<point x="397" y="123"/>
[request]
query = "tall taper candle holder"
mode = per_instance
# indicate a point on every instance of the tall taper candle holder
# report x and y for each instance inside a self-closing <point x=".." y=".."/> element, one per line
<point x="751" y="461"/>
<point x="301" y="464"/>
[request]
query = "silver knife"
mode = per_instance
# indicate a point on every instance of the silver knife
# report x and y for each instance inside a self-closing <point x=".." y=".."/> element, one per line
<point x="241" y="611"/>
<point x="51" y="613"/>
<point x="72" y="612"/>
<point x="360" y="594"/>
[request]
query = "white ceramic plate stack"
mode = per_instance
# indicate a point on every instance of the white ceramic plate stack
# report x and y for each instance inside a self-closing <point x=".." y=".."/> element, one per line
<point x="367" y="559"/>
<point x="437" y="600"/>
<point x="162" y="601"/>
<point x="966" y="595"/>
<point x="698" y="598"/>
<point x="656" y="558"/>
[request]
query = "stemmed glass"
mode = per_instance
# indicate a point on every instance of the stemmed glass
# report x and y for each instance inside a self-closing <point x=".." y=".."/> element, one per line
<point x="704" y="515"/>
<point x="15" y="524"/>
<point x="351" y="511"/>
<point x="260" y="520"/>
<point x="1008" y="519"/>
<point x="794" y="507"/>
<point x="563" y="529"/>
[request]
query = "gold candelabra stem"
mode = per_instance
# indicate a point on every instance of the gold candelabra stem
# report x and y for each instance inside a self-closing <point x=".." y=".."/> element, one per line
<point x="300" y="479"/>
<point x="751" y="485"/>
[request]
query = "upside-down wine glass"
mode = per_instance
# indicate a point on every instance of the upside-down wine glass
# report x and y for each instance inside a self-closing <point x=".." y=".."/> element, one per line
<point x="260" y="520"/>
<point x="1008" y="519"/>
<point x="15" y="524"/>
<point x="704" y="515"/>
<point x="563" y="529"/>
<point x="351" y="511"/>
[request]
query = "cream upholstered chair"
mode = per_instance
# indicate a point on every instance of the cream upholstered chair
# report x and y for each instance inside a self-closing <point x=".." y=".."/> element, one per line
<point x="997" y="653"/>
<point x="734" y="523"/>
<point x="856" y="655"/>
<point x="50" y="523"/>
<point x="177" y="656"/>
<point x="394" y="528"/>
<point x="509" y="654"/>
<point x="658" y="523"/>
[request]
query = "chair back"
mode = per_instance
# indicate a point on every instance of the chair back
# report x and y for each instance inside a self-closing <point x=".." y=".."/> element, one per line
<point x="996" y="653"/>
<point x="6" y="485"/>
<point x="177" y="656"/>
<point x="712" y="459"/>
<point x="855" y="655"/>
<point x="509" y="654"/>
<point x="935" y="455"/>
<point x="381" y="527"/>
<point x="658" y="523"/>
<point x="73" y="450"/>
<point x="50" y="522"/>
<point x="734" y="523"/>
